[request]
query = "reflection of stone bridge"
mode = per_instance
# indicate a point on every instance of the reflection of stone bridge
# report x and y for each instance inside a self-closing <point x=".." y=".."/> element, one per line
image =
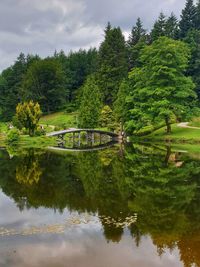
<point x="84" y="149"/>
<point x="90" y="134"/>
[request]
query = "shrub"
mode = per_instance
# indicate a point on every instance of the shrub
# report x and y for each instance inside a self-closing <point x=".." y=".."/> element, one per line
<point x="39" y="131"/>
<point x="57" y="128"/>
<point x="13" y="136"/>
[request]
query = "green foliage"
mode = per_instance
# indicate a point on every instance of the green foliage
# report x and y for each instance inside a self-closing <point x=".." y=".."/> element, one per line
<point x="137" y="33"/>
<point x="193" y="70"/>
<point x="13" y="137"/>
<point x="159" y="27"/>
<point x="171" y="27"/>
<point x="136" y="42"/>
<point x="113" y="63"/>
<point x="90" y="107"/>
<point x="188" y="18"/>
<point x="107" y="118"/>
<point x="76" y="66"/>
<point x="28" y="115"/>
<point x="197" y="19"/>
<point x="159" y="89"/>
<point x="44" y="83"/>
<point x="10" y="84"/>
<point x="165" y="27"/>
<point x="195" y="122"/>
<point x="120" y="105"/>
<point x="159" y="185"/>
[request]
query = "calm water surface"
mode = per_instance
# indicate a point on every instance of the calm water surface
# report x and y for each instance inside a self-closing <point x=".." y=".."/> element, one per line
<point x="133" y="206"/>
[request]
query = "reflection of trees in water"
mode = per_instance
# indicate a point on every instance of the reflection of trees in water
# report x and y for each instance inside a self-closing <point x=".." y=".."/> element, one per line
<point x="28" y="170"/>
<point x="161" y="187"/>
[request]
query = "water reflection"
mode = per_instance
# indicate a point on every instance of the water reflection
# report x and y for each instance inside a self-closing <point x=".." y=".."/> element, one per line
<point x="140" y="197"/>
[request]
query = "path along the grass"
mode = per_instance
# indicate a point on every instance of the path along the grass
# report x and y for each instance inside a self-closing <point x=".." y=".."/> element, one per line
<point x="186" y="125"/>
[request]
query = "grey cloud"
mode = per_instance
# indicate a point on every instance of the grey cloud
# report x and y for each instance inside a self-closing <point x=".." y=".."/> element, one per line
<point x="41" y="26"/>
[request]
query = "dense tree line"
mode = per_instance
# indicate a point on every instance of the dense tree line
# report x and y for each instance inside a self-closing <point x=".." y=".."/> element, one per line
<point x="125" y="74"/>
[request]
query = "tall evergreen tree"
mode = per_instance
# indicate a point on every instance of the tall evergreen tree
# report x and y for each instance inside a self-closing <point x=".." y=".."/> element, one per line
<point x="113" y="63"/>
<point x="197" y="19"/>
<point x="90" y="106"/>
<point x="137" y="33"/>
<point x="136" y="42"/>
<point x="159" y="27"/>
<point x="171" y="27"/>
<point x="188" y="18"/>
<point x="193" y="40"/>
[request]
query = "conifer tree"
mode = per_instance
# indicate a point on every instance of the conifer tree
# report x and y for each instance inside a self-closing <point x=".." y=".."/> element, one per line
<point x="193" y="40"/>
<point x="113" y="63"/>
<point x="137" y="33"/>
<point x="171" y="27"/>
<point x="90" y="106"/>
<point x="137" y="40"/>
<point x="188" y="18"/>
<point x="197" y="19"/>
<point x="159" y="27"/>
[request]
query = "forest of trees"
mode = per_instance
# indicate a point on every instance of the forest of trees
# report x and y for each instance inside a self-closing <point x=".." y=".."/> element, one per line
<point x="152" y="77"/>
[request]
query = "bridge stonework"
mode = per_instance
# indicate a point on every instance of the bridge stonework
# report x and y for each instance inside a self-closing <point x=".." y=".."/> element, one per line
<point x="61" y="134"/>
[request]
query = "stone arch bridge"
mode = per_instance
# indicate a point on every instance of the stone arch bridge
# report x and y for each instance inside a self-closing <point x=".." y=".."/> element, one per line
<point x="90" y="134"/>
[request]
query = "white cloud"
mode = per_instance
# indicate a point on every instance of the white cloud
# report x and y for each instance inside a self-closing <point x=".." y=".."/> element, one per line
<point x="41" y="26"/>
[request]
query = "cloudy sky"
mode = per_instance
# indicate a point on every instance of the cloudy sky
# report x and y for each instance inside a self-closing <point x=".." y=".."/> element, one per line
<point x="41" y="26"/>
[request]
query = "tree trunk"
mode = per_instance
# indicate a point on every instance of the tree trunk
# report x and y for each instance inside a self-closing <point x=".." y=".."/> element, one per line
<point x="169" y="129"/>
<point x="168" y="154"/>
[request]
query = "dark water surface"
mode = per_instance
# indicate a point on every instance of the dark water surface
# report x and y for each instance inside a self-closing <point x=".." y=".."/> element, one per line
<point x="133" y="206"/>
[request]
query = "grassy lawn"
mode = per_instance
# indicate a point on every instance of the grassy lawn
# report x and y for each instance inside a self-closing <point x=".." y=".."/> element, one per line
<point x="60" y="119"/>
<point x="36" y="142"/>
<point x="179" y="135"/>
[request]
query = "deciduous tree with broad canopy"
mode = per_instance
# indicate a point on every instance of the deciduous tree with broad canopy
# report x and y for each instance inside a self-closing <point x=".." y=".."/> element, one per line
<point x="160" y="91"/>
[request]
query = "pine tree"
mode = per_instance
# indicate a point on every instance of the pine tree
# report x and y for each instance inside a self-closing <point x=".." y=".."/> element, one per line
<point x="137" y="33"/>
<point x="137" y="41"/>
<point x="193" y="40"/>
<point x="197" y="19"/>
<point x="188" y="18"/>
<point x="90" y="106"/>
<point x="159" y="27"/>
<point x="113" y="63"/>
<point x="171" y="27"/>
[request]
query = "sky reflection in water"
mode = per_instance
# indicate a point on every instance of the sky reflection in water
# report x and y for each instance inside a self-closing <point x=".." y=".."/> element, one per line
<point x="65" y="209"/>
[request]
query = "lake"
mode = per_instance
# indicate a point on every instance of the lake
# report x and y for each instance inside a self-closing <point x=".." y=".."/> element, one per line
<point x="124" y="206"/>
